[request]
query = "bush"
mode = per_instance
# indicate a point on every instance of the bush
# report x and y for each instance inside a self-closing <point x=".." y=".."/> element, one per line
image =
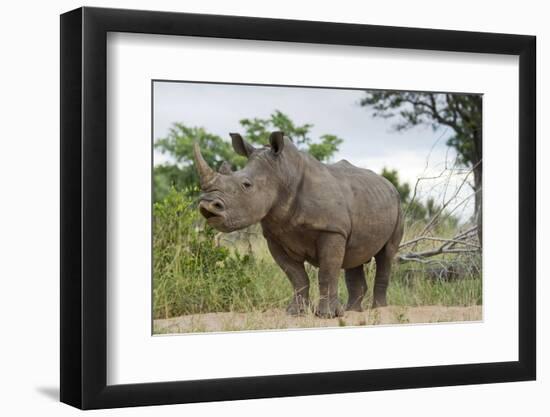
<point x="191" y="274"/>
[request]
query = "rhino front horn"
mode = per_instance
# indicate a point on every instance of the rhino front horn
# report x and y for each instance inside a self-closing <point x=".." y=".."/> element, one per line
<point x="206" y="174"/>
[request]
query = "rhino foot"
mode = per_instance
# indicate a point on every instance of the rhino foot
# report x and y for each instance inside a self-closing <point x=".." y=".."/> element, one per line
<point x="298" y="307"/>
<point x="379" y="302"/>
<point x="354" y="307"/>
<point x="329" y="310"/>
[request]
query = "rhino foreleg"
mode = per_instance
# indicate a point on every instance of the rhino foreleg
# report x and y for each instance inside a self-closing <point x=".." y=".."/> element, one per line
<point x="297" y="276"/>
<point x="331" y="248"/>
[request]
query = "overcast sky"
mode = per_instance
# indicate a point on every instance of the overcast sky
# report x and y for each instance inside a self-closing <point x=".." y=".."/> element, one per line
<point x="368" y="142"/>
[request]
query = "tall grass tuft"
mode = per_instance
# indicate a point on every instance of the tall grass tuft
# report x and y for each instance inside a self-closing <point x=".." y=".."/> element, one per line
<point x="191" y="274"/>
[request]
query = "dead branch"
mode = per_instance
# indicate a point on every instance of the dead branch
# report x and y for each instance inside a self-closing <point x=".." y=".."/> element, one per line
<point x="436" y="216"/>
<point x="439" y="239"/>
<point x="466" y="232"/>
<point x="448" y="246"/>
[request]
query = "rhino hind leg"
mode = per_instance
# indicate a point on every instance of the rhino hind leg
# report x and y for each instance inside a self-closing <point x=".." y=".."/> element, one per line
<point x="357" y="288"/>
<point x="384" y="260"/>
<point x="382" y="277"/>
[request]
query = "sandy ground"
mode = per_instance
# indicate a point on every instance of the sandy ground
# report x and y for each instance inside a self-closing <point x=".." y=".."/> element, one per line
<point x="278" y="319"/>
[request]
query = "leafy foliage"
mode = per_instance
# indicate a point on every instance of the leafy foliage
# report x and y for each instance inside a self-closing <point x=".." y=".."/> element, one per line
<point x="178" y="145"/>
<point x="324" y="150"/>
<point x="460" y="112"/>
<point x="257" y="130"/>
<point x="403" y="189"/>
<point x="192" y="274"/>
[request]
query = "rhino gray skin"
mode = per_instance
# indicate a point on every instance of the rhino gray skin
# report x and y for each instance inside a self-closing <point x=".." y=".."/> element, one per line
<point x="331" y="215"/>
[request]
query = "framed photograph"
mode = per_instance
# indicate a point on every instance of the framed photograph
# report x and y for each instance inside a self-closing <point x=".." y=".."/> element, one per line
<point x="257" y="208"/>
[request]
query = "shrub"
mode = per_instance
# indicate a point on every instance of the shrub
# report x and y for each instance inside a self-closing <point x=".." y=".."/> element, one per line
<point x="192" y="274"/>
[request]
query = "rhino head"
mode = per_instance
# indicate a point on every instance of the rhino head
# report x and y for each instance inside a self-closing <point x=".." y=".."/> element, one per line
<point x="234" y="200"/>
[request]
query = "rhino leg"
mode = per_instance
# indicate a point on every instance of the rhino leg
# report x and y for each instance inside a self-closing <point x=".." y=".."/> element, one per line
<point x="357" y="287"/>
<point x="382" y="278"/>
<point x="297" y="276"/>
<point x="331" y="248"/>
<point x="384" y="260"/>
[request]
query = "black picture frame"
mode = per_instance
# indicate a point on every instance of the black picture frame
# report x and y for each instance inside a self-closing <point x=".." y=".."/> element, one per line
<point x="84" y="207"/>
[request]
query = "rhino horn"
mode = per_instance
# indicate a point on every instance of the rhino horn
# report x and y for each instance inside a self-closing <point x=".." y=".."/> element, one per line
<point x="225" y="168"/>
<point x="206" y="174"/>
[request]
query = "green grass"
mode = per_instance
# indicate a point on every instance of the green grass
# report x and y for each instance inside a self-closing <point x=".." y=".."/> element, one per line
<point x="193" y="274"/>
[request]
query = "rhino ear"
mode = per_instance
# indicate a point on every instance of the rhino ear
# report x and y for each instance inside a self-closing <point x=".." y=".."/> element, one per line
<point x="225" y="168"/>
<point x="277" y="142"/>
<point x="241" y="146"/>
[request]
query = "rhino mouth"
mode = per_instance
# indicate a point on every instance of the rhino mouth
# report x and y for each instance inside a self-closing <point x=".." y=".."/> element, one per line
<point x="208" y="214"/>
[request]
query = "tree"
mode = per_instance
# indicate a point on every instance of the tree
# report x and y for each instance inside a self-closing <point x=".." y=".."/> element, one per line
<point x="404" y="189"/>
<point x="179" y="172"/>
<point x="257" y="131"/>
<point x="460" y="112"/>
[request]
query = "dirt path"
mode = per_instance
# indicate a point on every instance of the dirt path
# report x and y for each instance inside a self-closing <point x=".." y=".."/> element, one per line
<point x="278" y="319"/>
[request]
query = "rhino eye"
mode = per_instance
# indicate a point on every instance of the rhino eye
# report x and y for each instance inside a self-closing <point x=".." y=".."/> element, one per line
<point x="247" y="184"/>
